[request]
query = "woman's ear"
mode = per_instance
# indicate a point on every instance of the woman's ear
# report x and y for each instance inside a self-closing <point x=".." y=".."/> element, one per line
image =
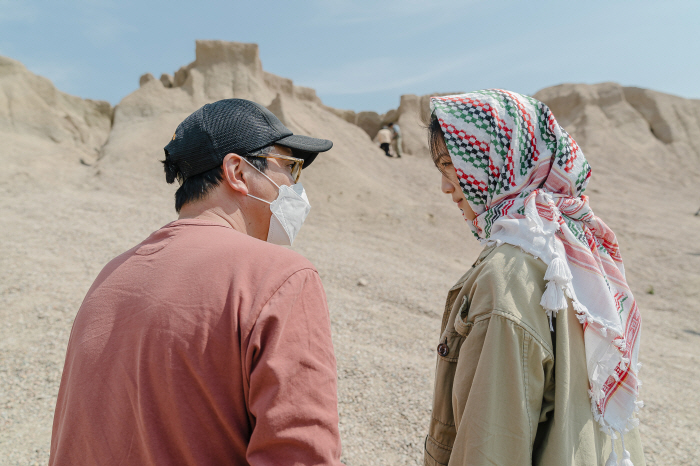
<point x="234" y="173"/>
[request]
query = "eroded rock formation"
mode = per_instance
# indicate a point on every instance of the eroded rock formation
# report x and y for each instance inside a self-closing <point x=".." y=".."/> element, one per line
<point x="31" y="106"/>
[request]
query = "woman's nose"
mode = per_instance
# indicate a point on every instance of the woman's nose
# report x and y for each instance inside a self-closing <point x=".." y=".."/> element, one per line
<point x="446" y="185"/>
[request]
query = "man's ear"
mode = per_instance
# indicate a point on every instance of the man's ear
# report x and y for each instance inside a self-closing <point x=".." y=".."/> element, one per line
<point x="233" y="170"/>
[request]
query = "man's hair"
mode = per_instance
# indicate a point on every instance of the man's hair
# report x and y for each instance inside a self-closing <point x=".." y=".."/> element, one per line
<point x="197" y="187"/>
<point x="436" y="138"/>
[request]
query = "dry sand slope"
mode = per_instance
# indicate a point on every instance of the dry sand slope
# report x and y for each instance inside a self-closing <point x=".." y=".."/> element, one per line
<point x="376" y="220"/>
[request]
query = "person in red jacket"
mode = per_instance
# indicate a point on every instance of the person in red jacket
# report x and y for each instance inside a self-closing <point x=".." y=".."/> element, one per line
<point x="208" y="343"/>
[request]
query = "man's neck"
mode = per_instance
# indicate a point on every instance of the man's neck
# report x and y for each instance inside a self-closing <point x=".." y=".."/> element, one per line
<point x="217" y="215"/>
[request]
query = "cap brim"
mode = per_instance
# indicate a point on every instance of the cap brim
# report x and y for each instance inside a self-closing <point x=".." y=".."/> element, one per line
<point x="305" y="147"/>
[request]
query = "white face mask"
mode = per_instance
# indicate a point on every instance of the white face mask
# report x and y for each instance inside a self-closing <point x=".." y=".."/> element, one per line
<point x="289" y="211"/>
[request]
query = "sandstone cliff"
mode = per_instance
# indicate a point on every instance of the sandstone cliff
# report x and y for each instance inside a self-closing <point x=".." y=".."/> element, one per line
<point x="643" y="133"/>
<point x="31" y="106"/>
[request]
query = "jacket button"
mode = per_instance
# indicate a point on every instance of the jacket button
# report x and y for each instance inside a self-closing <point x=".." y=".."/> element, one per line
<point x="443" y="350"/>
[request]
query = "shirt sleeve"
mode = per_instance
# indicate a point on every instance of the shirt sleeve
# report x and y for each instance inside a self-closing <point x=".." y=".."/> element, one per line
<point x="293" y="381"/>
<point x="504" y="389"/>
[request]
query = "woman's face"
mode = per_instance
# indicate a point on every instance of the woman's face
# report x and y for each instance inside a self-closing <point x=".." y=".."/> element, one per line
<point x="449" y="183"/>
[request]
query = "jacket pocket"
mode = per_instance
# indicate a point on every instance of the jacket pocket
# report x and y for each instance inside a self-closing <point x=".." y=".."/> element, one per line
<point x="462" y="326"/>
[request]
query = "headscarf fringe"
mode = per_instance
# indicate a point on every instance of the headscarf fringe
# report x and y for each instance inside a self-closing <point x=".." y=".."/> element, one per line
<point x="559" y="286"/>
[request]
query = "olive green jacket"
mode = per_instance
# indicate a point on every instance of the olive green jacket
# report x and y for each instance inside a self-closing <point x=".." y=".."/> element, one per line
<point x="507" y="390"/>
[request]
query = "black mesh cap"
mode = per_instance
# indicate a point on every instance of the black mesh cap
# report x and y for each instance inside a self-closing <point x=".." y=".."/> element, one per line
<point x="203" y="139"/>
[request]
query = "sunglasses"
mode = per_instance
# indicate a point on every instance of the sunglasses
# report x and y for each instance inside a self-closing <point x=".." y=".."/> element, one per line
<point x="294" y="169"/>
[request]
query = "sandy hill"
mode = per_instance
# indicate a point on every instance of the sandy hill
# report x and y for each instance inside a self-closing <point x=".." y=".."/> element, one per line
<point x="81" y="183"/>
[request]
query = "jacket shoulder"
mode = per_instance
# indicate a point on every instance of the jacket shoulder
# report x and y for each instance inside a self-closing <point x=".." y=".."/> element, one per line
<point x="511" y="281"/>
<point x="510" y="266"/>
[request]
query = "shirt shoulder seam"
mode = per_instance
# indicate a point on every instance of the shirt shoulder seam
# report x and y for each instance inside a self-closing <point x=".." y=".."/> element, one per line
<point x="526" y="328"/>
<point x="259" y="311"/>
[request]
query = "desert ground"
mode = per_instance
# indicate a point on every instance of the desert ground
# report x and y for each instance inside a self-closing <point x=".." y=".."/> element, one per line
<point x="80" y="182"/>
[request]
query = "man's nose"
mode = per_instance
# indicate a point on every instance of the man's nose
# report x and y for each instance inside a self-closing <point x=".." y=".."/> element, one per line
<point x="446" y="185"/>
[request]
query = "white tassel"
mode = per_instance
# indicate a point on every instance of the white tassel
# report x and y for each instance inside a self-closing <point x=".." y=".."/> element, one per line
<point x="612" y="459"/>
<point x="626" y="461"/>
<point x="558" y="271"/>
<point x="553" y="298"/>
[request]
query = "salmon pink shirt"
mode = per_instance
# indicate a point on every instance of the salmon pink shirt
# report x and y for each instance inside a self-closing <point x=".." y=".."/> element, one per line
<point x="200" y="346"/>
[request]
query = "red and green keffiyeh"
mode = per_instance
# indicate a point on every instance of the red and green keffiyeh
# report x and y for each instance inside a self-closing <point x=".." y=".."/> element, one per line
<point x="524" y="177"/>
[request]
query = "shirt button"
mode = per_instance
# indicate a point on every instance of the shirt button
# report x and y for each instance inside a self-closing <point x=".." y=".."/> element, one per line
<point x="443" y="350"/>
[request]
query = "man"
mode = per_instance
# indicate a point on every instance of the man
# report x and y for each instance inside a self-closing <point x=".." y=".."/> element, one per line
<point x="206" y="344"/>
<point x="384" y="139"/>
<point x="396" y="136"/>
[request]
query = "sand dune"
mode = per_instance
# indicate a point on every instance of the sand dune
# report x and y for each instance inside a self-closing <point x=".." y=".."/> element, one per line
<point x="81" y="183"/>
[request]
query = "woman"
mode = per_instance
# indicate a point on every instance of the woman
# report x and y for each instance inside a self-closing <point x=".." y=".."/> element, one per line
<point x="537" y="358"/>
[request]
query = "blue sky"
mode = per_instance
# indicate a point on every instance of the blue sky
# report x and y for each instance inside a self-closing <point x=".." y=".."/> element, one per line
<point x="363" y="55"/>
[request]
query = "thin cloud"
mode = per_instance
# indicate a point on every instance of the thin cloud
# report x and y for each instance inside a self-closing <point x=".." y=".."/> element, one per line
<point x="100" y="20"/>
<point x="354" y="12"/>
<point x="103" y="30"/>
<point x="385" y="74"/>
<point x="17" y="11"/>
<point x="61" y="75"/>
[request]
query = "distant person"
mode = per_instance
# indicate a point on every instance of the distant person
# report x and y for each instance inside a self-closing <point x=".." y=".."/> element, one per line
<point x="384" y="139"/>
<point x="396" y="136"/>
<point x="209" y="343"/>
<point x="537" y="356"/>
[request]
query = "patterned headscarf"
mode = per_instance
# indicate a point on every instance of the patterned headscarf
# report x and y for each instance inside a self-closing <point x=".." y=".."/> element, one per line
<point x="523" y="176"/>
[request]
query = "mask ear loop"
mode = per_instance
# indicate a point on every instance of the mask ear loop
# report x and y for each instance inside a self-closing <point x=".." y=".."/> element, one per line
<point x="262" y="200"/>
<point x="256" y="169"/>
